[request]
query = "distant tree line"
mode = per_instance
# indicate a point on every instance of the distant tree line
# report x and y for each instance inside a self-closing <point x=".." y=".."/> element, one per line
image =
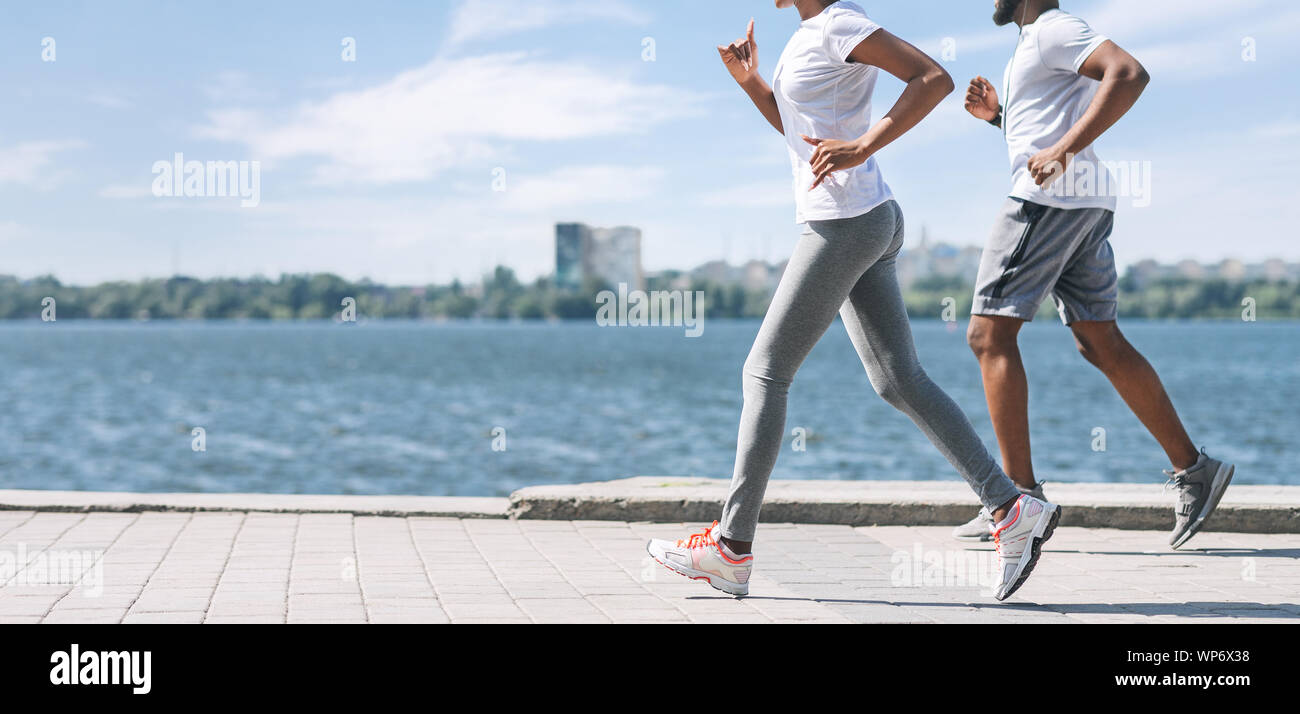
<point x="501" y="295"/>
<point x="1182" y="298"/>
<point x="1172" y="298"/>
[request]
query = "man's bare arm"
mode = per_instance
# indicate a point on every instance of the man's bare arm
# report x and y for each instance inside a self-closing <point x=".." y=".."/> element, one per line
<point x="1123" y="80"/>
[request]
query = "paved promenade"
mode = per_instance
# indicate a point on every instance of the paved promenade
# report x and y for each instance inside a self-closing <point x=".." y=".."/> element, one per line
<point x="239" y="566"/>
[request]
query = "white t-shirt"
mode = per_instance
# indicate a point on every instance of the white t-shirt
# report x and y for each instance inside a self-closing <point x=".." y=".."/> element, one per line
<point x="822" y="95"/>
<point x="1044" y="96"/>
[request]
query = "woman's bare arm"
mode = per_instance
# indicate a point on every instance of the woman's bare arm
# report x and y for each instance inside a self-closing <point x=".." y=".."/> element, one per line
<point x="741" y="59"/>
<point x="927" y="85"/>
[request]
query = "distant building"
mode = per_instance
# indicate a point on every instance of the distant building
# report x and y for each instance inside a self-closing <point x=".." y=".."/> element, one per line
<point x="756" y="275"/>
<point x="929" y="260"/>
<point x="1146" y="272"/>
<point x="1275" y="270"/>
<point x="1233" y="270"/>
<point x="611" y="255"/>
<point x="571" y="241"/>
<point x="1191" y="270"/>
<point x="924" y="261"/>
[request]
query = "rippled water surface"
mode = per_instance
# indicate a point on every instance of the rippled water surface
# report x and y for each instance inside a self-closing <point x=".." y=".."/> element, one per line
<point x="409" y="408"/>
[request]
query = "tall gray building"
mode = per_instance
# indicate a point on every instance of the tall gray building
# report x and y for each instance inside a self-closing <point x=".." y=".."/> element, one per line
<point x="611" y="255"/>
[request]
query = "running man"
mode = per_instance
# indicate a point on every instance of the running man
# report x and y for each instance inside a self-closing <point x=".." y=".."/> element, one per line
<point x="844" y="263"/>
<point x="1065" y="86"/>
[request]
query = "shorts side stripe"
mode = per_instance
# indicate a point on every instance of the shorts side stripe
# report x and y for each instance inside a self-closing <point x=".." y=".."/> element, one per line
<point x="1036" y="214"/>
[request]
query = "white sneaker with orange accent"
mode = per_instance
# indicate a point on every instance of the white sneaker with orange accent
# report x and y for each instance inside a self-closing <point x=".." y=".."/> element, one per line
<point x="701" y="557"/>
<point x="1019" y="540"/>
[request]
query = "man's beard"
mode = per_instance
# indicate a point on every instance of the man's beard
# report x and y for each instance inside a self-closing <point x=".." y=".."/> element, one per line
<point x="1005" y="12"/>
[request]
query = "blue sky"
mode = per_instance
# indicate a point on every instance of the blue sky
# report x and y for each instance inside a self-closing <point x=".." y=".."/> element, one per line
<point x="384" y="167"/>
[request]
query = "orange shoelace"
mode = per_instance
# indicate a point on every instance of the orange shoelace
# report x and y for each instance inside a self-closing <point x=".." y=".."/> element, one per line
<point x="699" y="540"/>
<point x="997" y="535"/>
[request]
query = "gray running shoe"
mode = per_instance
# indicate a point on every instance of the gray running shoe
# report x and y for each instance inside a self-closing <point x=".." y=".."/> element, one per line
<point x="1199" y="490"/>
<point x="977" y="530"/>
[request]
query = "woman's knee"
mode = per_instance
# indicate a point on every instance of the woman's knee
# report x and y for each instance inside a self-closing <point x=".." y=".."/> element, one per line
<point x="760" y="376"/>
<point x="900" y="387"/>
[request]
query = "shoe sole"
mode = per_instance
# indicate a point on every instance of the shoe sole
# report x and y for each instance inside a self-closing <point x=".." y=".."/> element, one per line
<point x="1035" y="550"/>
<point x="1218" y="487"/>
<point x="727" y="586"/>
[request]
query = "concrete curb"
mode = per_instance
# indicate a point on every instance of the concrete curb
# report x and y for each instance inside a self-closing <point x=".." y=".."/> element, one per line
<point x="402" y="506"/>
<point x="1244" y="509"/>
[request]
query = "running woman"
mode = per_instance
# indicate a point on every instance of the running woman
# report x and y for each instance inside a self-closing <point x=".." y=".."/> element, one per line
<point x="820" y="99"/>
<point x="1064" y="87"/>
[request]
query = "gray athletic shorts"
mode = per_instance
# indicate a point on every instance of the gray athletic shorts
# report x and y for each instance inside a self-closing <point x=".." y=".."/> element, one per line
<point x="1037" y="250"/>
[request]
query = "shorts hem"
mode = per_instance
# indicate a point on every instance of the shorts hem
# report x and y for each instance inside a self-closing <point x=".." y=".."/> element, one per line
<point x="1095" y="312"/>
<point x="1003" y="307"/>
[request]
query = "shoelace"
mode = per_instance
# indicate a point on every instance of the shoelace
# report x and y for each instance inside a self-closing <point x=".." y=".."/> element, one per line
<point x="1179" y="478"/>
<point x="699" y="540"/>
<point x="1186" y="500"/>
<point x="997" y="535"/>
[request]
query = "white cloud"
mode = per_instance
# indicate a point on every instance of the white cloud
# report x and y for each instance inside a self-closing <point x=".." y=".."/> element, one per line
<point x="10" y="230"/>
<point x="1284" y="129"/>
<point x="451" y="112"/>
<point x="1247" y="211"/>
<point x="235" y="87"/>
<point x="416" y="238"/>
<point x="118" y="190"/>
<point x="486" y="19"/>
<point x="996" y="38"/>
<point x="1219" y="52"/>
<point x="583" y="185"/>
<point x="948" y="121"/>
<point x="1121" y="19"/>
<point x="30" y="163"/>
<point x="751" y="195"/>
<point x="1197" y="59"/>
<point x="1154" y="23"/>
<point x="108" y="100"/>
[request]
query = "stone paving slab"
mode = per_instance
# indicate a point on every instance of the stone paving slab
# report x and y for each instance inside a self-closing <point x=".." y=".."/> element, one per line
<point x="259" y="567"/>
<point x="1244" y="509"/>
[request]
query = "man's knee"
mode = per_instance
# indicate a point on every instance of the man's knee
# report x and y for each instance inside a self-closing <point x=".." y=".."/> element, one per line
<point x="988" y="337"/>
<point x="1101" y="343"/>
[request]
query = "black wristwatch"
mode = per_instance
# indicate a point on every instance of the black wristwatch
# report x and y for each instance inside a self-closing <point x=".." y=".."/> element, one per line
<point x="997" y="120"/>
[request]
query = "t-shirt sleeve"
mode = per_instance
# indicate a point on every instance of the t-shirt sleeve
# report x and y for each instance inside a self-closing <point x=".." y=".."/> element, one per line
<point x="847" y="30"/>
<point x="1065" y="44"/>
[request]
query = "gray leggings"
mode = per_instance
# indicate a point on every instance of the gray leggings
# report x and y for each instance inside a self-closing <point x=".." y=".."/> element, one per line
<point x="845" y="265"/>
